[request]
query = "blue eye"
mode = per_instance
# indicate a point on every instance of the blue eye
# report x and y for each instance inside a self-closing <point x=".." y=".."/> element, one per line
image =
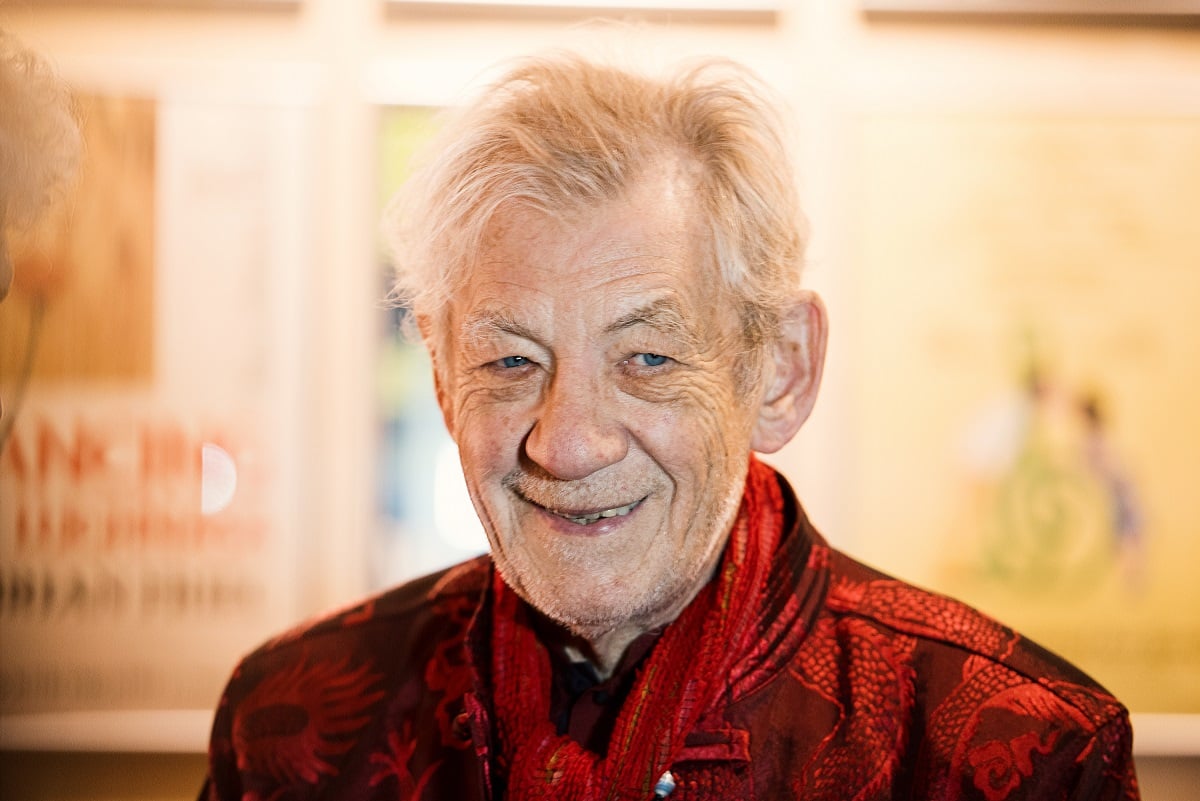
<point x="513" y="361"/>
<point x="652" y="359"/>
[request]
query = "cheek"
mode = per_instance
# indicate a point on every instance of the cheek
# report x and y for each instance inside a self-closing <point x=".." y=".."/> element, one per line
<point x="488" y="435"/>
<point x="696" y="436"/>
<point x="712" y="404"/>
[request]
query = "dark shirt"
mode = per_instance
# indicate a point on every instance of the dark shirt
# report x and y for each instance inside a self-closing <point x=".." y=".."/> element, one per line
<point x="585" y="707"/>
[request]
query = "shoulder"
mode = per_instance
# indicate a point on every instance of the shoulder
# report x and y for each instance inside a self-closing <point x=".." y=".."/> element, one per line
<point x="308" y="707"/>
<point x="936" y="622"/>
<point x="374" y="646"/>
<point x="993" y="705"/>
<point x="440" y="603"/>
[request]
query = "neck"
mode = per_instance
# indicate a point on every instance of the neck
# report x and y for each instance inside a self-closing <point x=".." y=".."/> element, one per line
<point x="603" y="653"/>
<point x="603" y="648"/>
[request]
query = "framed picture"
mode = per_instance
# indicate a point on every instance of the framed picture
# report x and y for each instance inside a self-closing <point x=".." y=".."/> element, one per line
<point x="1025" y="389"/>
<point x="263" y="5"/>
<point x="1160" y="9"/>
<point x="424" y="519"/>
<point x="149" y="495"/>
<point x="678" y="10"/>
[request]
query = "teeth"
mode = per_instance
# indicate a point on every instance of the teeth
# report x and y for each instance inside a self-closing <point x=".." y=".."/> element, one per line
<point x="586" y="520"/>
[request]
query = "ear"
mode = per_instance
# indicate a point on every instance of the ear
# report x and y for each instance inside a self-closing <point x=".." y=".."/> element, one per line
<point x="791" y="375"/>
<point x="432" y="342"/>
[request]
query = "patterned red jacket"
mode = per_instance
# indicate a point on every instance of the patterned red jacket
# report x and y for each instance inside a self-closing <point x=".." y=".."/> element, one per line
<point x="861" y="687"/>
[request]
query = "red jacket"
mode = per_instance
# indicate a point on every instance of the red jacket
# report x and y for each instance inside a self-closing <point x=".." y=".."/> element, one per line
<point x="862" y="687"/>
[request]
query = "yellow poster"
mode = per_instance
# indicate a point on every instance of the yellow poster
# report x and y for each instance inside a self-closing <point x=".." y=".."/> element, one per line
<point x="100" y="237"/>
<point x="1027" y="379"/>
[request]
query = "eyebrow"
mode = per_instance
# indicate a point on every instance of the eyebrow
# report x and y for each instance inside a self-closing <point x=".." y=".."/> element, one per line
<point x="664" y="314"/>
<point x="490" y="323"/>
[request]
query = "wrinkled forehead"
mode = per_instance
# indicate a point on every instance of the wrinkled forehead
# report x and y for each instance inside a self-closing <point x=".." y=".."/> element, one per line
<point x="659" y="204"/>
<point x="656" y="218"/>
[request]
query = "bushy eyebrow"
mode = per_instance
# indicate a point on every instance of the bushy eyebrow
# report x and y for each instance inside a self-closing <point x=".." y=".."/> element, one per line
<point x="490" y="323"/>
<point x="664" y="315"/>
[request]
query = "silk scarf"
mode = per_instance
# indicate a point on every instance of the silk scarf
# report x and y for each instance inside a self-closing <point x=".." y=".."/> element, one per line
<point x="675" y="686"/>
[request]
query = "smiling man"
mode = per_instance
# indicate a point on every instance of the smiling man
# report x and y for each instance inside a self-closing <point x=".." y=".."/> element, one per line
<point x="602" y="404"/>
<point x="605" y="269"/>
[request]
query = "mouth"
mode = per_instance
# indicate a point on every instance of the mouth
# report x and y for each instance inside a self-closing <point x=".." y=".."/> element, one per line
<point x="588" y="518"/>
<point x="604" y="514"/>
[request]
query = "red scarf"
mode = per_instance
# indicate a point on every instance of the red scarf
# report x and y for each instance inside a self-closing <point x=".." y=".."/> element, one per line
<point x="677" y="685"/>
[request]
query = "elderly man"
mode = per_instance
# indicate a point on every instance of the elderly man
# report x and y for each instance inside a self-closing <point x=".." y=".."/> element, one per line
<point x="604" y="268"/>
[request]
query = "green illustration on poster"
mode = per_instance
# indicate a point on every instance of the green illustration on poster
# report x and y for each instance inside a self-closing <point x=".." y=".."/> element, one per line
<point x="1025" y="379"/>
<point x="1054" y="501"/>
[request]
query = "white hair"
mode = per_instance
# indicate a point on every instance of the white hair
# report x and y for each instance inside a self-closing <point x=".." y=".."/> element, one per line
<point x="563" y="134"/>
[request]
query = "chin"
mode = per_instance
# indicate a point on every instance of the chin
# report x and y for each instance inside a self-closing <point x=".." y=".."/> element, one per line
<point x="592" y="610"/>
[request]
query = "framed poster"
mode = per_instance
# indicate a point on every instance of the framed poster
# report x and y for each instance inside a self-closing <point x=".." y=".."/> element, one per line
<point x="1162" y="9"/>
<point x="149" y="364"/>
<point x="424" y="517"/>
<point x="726" y="11"/>
<point x="264" y="5"/>
<point x="1025" y="378"/>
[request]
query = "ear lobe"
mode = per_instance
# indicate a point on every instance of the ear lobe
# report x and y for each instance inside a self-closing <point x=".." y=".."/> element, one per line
<point x="793" y="375"/>
<point x="425" y="326"/>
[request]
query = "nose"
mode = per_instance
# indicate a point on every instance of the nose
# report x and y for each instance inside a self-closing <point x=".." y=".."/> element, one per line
<point x="576" y="432"/>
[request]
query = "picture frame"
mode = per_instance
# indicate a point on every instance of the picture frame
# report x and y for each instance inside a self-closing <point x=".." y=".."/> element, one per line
<point x="1096" y="10"/>
<point x="727" y="11"/>
<point x="149" y="519"/>
<point x="986" y="303"/>
<point x="214" y="5"/>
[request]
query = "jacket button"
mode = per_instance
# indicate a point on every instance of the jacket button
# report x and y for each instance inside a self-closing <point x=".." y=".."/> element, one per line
<point x="461" y="727"/>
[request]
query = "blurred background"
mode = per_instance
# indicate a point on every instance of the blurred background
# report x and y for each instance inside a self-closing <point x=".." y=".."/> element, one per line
<point x="218" y="428"/>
